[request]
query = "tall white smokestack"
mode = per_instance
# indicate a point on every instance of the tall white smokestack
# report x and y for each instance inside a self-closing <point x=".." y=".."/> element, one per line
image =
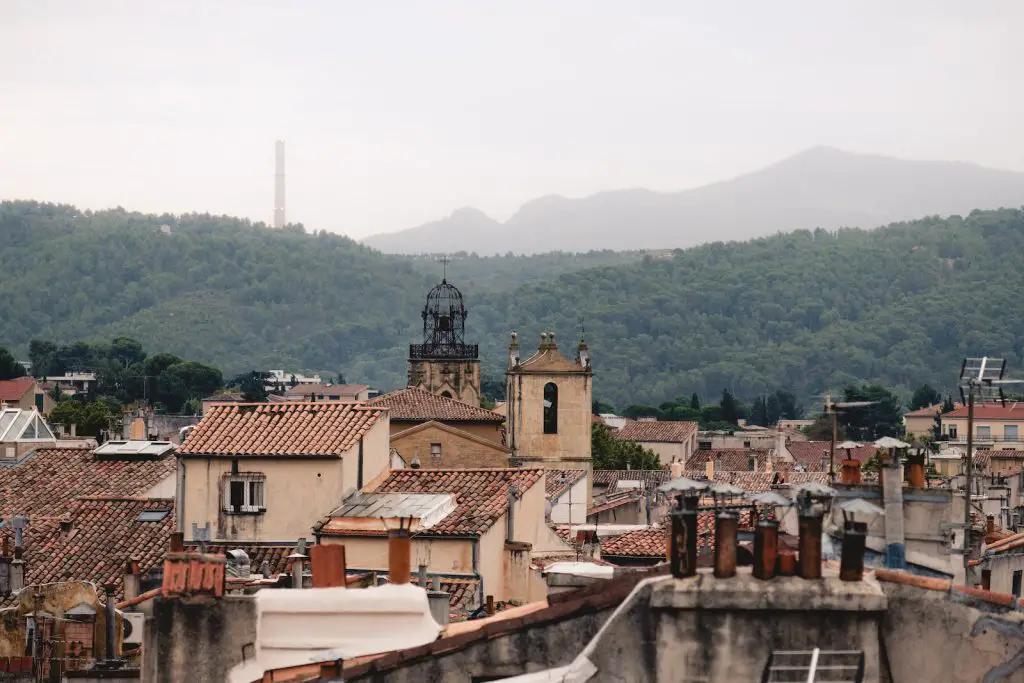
<point x="279" y="184"/>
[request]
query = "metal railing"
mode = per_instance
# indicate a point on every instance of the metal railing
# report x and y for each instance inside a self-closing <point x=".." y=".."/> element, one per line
<point x="814" y="666"/>
<point x="444" y="351"/>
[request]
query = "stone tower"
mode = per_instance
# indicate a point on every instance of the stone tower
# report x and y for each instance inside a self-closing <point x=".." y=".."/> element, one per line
<point x="444" y="363"/>
<point x="549" y="400"/>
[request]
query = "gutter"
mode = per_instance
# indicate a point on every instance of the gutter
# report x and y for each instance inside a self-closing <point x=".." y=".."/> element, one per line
<point x="180" y="466"/>
<point x="359" y="473"/>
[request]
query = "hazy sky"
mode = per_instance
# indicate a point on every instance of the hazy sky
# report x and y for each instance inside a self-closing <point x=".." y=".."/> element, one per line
<point x="396" y="113"/>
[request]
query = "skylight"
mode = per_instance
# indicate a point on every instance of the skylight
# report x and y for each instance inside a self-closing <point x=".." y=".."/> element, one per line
<point x="153" y="515"/>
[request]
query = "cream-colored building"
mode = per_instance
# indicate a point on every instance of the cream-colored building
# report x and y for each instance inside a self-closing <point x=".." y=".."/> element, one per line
<point x="25" y="393"/>
<point x="921" y="422"/>
<point x="483" y="531"/>
<point x="549" y="402"/>
<point x="996" y="427"/>
<point x="671" y="441"/>
<point x="444" y="364"/>
<point x="269" y="471"/>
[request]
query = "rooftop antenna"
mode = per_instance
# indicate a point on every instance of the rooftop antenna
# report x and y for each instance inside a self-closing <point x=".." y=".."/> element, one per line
<point x="833" y="409"/>
<point x="981" y="379"/>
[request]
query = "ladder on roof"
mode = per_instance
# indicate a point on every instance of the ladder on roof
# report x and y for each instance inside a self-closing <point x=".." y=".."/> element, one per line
<point x="814" y="666"/>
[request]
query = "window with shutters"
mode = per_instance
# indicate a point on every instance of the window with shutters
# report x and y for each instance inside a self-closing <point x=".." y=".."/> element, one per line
<point x="243" y="493"/>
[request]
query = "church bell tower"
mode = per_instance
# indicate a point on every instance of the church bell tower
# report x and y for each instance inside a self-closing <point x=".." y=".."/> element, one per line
<point x="444" y="363"/>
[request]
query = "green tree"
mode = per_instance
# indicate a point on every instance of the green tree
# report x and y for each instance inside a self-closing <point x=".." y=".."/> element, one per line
<point x="610" y="453"/>
<point x="127" y="351"/>
<point x="694" y="402"/>
<point x="868" y="423"/>
<point x="730" y="408"/>
<point x="9" y="367"/>
<point x="924" y="396"/>
<point x="253" y="386"/>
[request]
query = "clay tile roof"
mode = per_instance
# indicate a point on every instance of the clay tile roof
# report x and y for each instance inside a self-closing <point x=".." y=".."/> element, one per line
<point x="998" y="455"/>
<point x="657" y="432"/>
<point x="809" y="454"/>
<point x="99" y="536"/>
<point x="481" y="497"/>
<point x="548" y="359"/>
<point x="48" y="480"/>
<point x="795" y="478"/>
<point x="612" y="504"/>
<point x="299" y="429"/>
<point x="1012" y="411"/>
<point x="14" y="389"/>
<point x="652" y="479"/>
<point x="639" y="543"/>
<point x="415" y="404"/>
<point x="751" y="482"/>
<point x="928" y="411"/>
<point x="731" y="459"/>
<point x="553" y="485"/>
<point x="274" y="553"/>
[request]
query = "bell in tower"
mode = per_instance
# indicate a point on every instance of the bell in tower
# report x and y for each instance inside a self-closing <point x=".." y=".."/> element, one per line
<point x="444" y="363"/>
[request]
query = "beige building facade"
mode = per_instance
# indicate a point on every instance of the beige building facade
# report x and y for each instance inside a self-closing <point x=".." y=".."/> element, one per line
<point x="440" y="446"/>
<point x="268" y="472"/>
<point x="996" y="427"/>
<point x="548" y="410"/>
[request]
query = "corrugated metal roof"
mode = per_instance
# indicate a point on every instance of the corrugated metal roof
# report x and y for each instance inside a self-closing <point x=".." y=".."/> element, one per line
<point x="428" y="508"/>
<point x="137" y="447"/>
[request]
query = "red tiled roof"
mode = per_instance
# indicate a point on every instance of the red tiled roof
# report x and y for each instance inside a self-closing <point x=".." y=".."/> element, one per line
<point x="1012" y="411"/>
<point x="639" y="543"/>
<point x="657" y="432"/>
<point x="730" y="459"/>
<point x="415" y="404"/>
<point x="652" y="479"/>
<point x="47" y="481"/>
<point x="612" y="504"/>
<point x="14" y="389"/>
<point x="998" y="455"/>
<point x="553" y="485"/>
<point x="809" y="454"/>
<point x="280" y="429"/>
<point x="795" y="478"/>
<point x="274" y="553"/>
<point x="929" y="411"/>
<point x="751" y="482"/>
<point x="481" y="497"/>
<point x="99" y="536"/>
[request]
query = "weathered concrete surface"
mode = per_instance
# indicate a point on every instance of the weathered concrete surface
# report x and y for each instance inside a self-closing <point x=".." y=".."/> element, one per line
<point x="537" y="648"/>
<point x="928" y="637"/>
<point x="724" y="630"/>
<point x="200" y="642"/>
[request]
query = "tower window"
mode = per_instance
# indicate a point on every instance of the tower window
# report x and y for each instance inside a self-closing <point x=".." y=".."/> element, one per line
<point x="550" y="408"/>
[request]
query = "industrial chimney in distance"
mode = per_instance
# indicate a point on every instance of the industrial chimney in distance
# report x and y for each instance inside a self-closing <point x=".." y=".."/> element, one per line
<point x="279" y="184"/>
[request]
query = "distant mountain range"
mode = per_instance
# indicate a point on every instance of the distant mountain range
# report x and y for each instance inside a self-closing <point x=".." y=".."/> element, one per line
<point x="821" y="187"/>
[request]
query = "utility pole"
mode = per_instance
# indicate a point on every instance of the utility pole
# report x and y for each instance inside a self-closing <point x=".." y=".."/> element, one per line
<point x="967" y="485"/>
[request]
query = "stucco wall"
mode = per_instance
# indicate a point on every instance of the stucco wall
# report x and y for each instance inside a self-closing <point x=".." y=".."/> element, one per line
<point x="668" y="452"/>
<point x="459" y="378"/>
<point x="574" y="409"/>
<point x="297" y="492"/>
<point x="457" y="452"/>
<point x="1003" y="566"/>
<point x="198" y="643"/>
<point x="489" y="431"/>
<point x="576" y="497"/>
<point x="443" y="556"/>
<point x="919" y="426"/>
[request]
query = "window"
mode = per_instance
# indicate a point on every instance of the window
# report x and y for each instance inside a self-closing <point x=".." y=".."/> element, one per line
<point x="243" y="493"/>
<point x="435" y="451"/>
<point x="1016" y="582"/>
<point x="951" y="430"/>
<point x="752" y="463"/>
<point x="1010" y="433"/>
<point x="550" y="408"/>
<point x="446" y="394"/>
<point x="746" y="444"/>
<point x="984" y="432"/>
<point x="703" y="445"/>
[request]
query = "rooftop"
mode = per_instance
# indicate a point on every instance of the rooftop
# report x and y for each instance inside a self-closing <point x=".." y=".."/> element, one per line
<point x="1011" y="411"/>
<point x="657" y="432"/>
<point x="95" y="538"/>
<point x="549" y="360"/>
<point x="648" y="543"/>
<point x="48" y="480"/>
<point x="481" y="498"/>
<point x="140" y="448"/>
<point x="558" y="482"/>
<point x="14" y="389"/>
<point x="415" y="404"/>
<point x="343" y="390"/>
<point x="732" y="459"/>
<point x="297" y="429"/>
<point x="809" y="454"/>
<point x="275" y="553"/>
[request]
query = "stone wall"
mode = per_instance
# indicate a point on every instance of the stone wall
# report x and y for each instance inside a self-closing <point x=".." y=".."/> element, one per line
<point x="199" y="642"/>
<point x="458" y="451"/>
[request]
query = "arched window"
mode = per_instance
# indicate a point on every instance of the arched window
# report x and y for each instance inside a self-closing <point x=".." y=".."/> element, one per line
<point x="550" y="408"/>
<point x="446" y="394"/>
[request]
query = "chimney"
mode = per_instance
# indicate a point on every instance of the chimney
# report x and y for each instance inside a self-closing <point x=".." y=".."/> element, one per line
<point x="766" y="542"/>
<point x="851" y="564"/>
<point x="915" y="470"/>
<point x="725" y="544"/>
<point x="510" y="515"/>
<point x="769" y="467"/>
<point x="328" y="562"/>
<point x="676" y="469"/>
<point x="440" y="606"/>
<point x="683" y="541"/>
<point x="177" y="541"/>
<point x="399" y="556"/>
<point x="709" y="469"/>
<point x="111" y="622"/>
<point x="490" y="605"/>
<point x="422" y="576"/>
<point x="131" y="579"/>
<point x="850" y="472"/>
<point x="810" y="546"/>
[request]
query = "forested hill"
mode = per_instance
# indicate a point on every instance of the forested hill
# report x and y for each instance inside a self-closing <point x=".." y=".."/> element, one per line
<point x="807" y="311"/>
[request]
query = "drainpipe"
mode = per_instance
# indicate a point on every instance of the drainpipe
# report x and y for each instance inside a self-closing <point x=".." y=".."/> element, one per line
<point x="111" y="623"/>
<point x="180" y="512"/>
<point x="359" y="473"/>
<point x="510" y="519"/>
<point x="475" y="559"/>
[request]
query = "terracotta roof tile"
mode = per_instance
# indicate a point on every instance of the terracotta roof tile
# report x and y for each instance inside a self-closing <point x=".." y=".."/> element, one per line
<point x="652" y="478"/>
<point x="555" y="487"/>
<point x="99" y="535"/>
<point x="612" y="504"/>
<point x="997" y="455"/>
<point x="639" y="543"/>
<point x="48" y="480"/>
<point x="795" y="478"/>
<point x="657" y="432"/>
<point x="751" y="482"/>
<point x="929" y="411"/>
<point x="481" y="497"/>
<point x="810" y="454"/>
<point x="1012" y="411"/>
<point x="14" y="389"/>
<point x="299" y="429"/>
<point x="415" y="404"/>
<point x="274" y="553"/>
<point x="731" y="459"/>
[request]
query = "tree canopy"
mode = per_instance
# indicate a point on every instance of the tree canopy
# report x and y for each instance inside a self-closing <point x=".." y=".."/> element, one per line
<point x="810" y="311"/>
<point x="610" y="453"/>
